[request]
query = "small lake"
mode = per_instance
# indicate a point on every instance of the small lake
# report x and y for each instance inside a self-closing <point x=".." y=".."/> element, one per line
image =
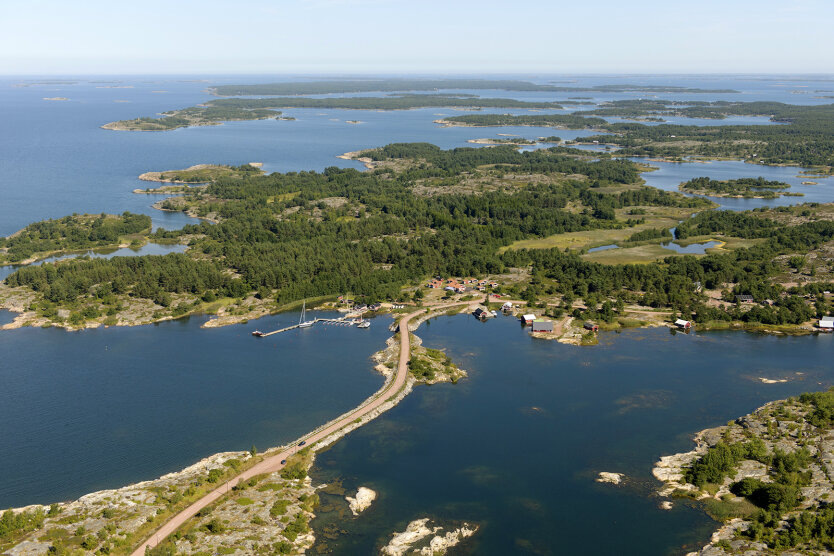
<point x="516" y="446"/>
<point x="603" y="248"/>
<point x="692" y="248"/>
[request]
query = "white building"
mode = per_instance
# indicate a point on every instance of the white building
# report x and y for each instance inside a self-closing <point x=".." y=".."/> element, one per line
<point x="827" y="323"/>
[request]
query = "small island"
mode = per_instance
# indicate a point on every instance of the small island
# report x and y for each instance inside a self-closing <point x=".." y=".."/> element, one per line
<point x="746" y="188"/>
<point x="203" y="173"/>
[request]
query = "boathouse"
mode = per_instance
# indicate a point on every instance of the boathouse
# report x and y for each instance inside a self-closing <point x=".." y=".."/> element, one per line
<point x="542" y="325"/>
<point x="528" y="319"/>
<point x="480" y="313"/>
<point x="684" y="324"/>
<point x="591" y="326"/>
<point x="827" y="323"/>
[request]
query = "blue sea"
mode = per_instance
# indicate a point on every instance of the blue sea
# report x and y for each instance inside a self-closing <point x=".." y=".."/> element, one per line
<point x="513" y="448"/>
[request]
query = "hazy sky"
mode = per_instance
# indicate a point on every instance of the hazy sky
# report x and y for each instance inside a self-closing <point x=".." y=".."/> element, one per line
<point x="462" y="36"/>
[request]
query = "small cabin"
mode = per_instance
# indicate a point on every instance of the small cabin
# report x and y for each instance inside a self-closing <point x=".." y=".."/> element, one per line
<point x="542" y="326"/>
<point x="528" y="319"/>
<point x="507" y="307"/>
<point x="591" y="326"/>
<point x="744" y="298"/>
<point x="683" y="324"/>
<point x="826" y="323"/>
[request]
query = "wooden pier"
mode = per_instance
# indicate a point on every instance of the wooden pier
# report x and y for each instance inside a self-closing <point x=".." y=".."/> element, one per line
<point x="336" y="322"/>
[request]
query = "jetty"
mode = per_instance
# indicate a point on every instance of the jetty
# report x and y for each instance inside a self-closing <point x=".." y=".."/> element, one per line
<point x="335" y="322"/>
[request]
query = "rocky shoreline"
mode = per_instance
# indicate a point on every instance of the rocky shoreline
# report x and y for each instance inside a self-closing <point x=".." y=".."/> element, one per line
<point x="772" y="462"/>
<point x="119" y="518"/>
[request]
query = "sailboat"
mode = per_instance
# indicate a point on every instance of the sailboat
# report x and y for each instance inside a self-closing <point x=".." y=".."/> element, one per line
<point x="304" y="323"/>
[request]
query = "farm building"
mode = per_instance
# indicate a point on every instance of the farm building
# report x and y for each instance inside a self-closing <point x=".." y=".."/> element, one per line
<point x="542" y="326"/>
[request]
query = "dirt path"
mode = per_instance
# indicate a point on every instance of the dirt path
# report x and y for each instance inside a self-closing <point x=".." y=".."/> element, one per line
<point x="273" y="463"/>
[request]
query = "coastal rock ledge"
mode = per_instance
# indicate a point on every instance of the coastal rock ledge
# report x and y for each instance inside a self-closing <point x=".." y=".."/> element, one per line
<point x="362" y="501"/>
<point x="612" y="478"/>
<point x="767" y="477"/>
<point x="421" y="538"/>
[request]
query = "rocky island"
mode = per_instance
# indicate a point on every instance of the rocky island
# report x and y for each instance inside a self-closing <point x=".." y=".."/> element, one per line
<point x="767" y="476"/>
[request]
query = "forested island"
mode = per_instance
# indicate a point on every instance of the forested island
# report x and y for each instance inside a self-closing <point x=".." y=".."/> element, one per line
<point x="391" y="85"/>
<point x="766" y="476"/>
<point x="237" y="109"/>
<point x="423" y="211"/>
<point x="69" y="233"/>
<point x="805" y="138"/>
<point x="747" y="188"/>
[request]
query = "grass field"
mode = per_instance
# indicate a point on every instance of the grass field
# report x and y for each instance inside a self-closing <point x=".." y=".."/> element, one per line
<point x="642" y="254"/>
<point x="656" y="217"/>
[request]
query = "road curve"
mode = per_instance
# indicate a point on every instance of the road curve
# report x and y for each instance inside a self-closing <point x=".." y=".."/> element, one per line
<point x="273" y="463"/>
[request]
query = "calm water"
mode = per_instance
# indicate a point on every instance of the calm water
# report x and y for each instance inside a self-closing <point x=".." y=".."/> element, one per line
<point x="56" y="159"/>
<point x="692" y="248"/>
<point x="670" y="175"/>
<point x="103" y="408"/>
<point x="517" y="445"/>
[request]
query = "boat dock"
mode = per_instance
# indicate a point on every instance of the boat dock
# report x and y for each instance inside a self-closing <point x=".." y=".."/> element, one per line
<point x="335" y="322"/>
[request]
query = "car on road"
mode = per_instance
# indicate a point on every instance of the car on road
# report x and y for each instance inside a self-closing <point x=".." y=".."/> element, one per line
<point x="283" y="461"/>
<point x="302" y="443"/>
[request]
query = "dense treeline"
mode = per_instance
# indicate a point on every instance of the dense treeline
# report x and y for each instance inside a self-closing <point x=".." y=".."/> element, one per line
<point x="195" y="115"/>
<point x="281" y="235"/>
<point x="151" y="277"/>
<point x="568" y="121"/>
<point x="651" y="233"/>
<point x="73" y="232"/>
<point x="381" y="237"/>
<point x="398" y="102"/>
<point x="375" y="85"/>
<point x="393" y="85"/>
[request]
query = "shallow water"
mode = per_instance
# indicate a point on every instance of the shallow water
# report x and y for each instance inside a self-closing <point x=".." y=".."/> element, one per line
<point x="515" y="447"/>
<point x="692" y="248"/>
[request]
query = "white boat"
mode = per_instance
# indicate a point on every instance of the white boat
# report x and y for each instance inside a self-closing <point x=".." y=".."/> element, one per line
<point x="304" y="323"/>
<point x="364" y="324"/>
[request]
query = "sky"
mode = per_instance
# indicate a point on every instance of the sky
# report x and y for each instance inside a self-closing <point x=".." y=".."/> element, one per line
<point x="61" y="37"/>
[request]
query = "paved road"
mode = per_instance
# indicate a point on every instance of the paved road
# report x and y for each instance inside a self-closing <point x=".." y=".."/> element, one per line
<point x="273" y="463"/>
